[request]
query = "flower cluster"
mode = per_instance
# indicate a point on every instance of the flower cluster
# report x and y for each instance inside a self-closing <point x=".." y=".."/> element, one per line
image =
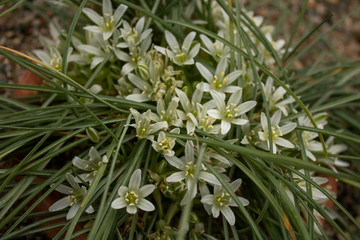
<point x="200" y="87"/>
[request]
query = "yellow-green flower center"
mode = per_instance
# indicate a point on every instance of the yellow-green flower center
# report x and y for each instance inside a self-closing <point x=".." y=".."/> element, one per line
<point x="224" y="200"/>
<point x="231" y="111"/>
<point x="275" y="133"/>
<point x="131" y="198"/>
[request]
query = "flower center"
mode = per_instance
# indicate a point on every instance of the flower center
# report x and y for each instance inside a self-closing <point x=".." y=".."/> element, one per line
<point x="75" y="197"/>
<point x="223" y="200"/>
<point x="275" y="133"/>
<point x="190" y="170"/>
<point x="107" y="22"/>
<point x="166" y="144"/>
<point x="56" y="62"/>
<point x="207" y="123"/>
<point x="219" y="81"/>
<point x="131" y="198"/>
<point x="231" y="111"/>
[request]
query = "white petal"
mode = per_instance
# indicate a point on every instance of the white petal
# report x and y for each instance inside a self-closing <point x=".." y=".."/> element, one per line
<point x="275" y="119"/>
<point x="288" y="128"/>
<point x="310" y="155"/>
<point x="221" y="67"/>
<point x="204" y="87"/>
<point x="214" y="113"/>
<point x="225" y="127"/>
<point x="219" y="99"/>
<point x="72" y="211"/>
<point x="284" y="143"/>
<point x="208" y="199"/>
<point x="95" y="29"/>
<point x="107" y="7"/>
<point x="131" y="209"/>
<point x="123" y="190"/>
<point x="146" y="190"/>
<point x="90" y="49"/>
<point x="229" y="215"/>
<point x="235" y="97"/>
<point x="233" y="76"/>
<point x="189" y="152"/>
<point x="90" y="210"/>
<point x="127" y="68"/>
<point x="194" y="51"/>
<point x="118" y="203"/>
<point x="176" y="177"/>
<point x="119" y="12"/>
<point x="208" y="43"/>
<point x="59" y="205"/>
<point x="171" y="40"/>
<point x="63" y="189"/>
<point x="231" y="89"/>
<point x="209" y="177"/>
<point x="159" y="126"/>
<point x="94" y="155"/>
<point x="246" y="106"/>
<point x="264" y="122"/>
<point x="215" y="211"/>
<point x="188" y="40"/>
<point x="94" y="16"/>
<point x="138" y="97"/>
<point x="175" y="162"/>
<point x="204" y="72"/>
<point x="146" y="205"/>
<point x="135" y="180"/>
<point x="236" y="184"/>
<point x="138" y="82"/>
<point x="239" y="121"/>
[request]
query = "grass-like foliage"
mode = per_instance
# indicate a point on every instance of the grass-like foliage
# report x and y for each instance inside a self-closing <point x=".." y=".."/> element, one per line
<point x="175" y="120"/>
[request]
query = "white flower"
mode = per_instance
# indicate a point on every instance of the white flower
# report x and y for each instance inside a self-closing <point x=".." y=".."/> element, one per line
<point x="191" y="108"/>
<point x="217" y="49"/>
<point x="317" y="195"/>
<point x="134" y="36"/>
<point x="334" y="149"/>
<point x="218" y="81"/>
<point x="96" y="50"/>
<point x="75" y="196"/>
<point x="183" y="55"/>
<point x="221" y="201"/>
<point x="230" y="112"/>
<point x="138" y="42"/>
<point x="143" y="123"/>
<point x="169" y="114"/>
<point x="308" y="137"/>
<point x="276" y="132"/>
<point x="54" y="58"/>
<point x="109" y="22"/>
<point x="91" y="166"/>
<point x="133" y="196"/>
<point x="274" y="97"/>
<point x="186" y="165"/>
<point x="164" y="144"/>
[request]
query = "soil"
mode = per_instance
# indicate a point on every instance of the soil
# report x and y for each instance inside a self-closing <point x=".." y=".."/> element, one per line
<point x="20" y="29"/>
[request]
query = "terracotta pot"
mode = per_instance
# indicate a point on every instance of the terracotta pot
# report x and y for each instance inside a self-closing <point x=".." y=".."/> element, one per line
<point x="30" y="78"/>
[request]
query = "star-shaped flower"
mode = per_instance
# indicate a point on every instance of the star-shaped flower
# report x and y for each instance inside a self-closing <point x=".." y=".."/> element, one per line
<point x="221" y="201"/>
<point x="276" y="132"/>
<point x="107" y="23"/>
<point x="75" y="196"/>
<point x="180" y="55"/>
<point x="133" y="196"/>
<point x="186" y="165"/>
<point x="218" y="81"/>
<point x="230" y="112"/>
